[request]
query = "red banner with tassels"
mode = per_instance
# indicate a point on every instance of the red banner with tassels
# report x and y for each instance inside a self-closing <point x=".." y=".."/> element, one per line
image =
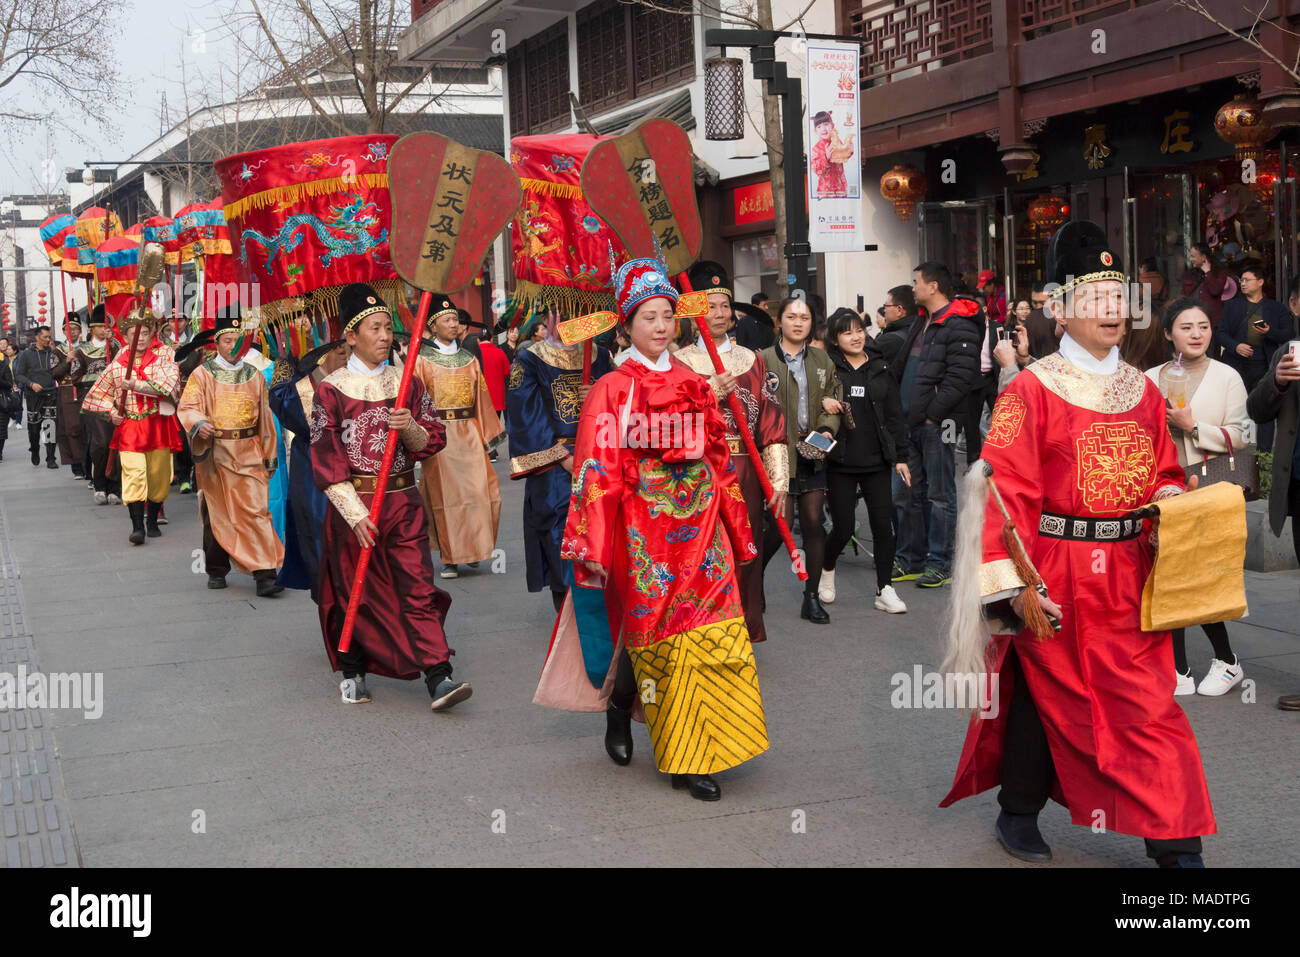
<point x="560" y="247"/>
<point x="308" y="218"/>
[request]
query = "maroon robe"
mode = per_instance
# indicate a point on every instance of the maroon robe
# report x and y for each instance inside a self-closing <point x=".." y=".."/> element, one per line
<point x="766" y="423"/>
<point x="399" y="620"/>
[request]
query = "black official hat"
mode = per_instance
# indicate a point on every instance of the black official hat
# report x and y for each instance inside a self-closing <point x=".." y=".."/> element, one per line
<point x="312" y="359"/>
<point x="356" y="301"/>
<point x="1079" y="254"/>
<point x="707" y="276"/>
<point x="227" y="320"/>
<point x="97" y="316"/>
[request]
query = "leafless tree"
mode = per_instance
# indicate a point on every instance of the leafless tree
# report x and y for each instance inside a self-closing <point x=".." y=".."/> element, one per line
<point x="56" y="53"/>
<point x="1250" y="37"/>
<point x="338" y="54"/>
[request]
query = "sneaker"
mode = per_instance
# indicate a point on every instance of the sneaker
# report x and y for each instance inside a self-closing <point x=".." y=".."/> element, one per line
<point x="449" y="693"/>
<point x="90" y="485"/>
<point x="186" y="488"/>
<point x="162" y="517"/>
<point x="899" y="575"/>
<point x="887" y="600"/>
<point x="101" y="498"/>
<point x="354" y="690"/>
<point x="473" y="564"/>
<point x="826" y="588"/>
<point x="1186" y="684"/>
<point x="1221" y="678"/>
<point x="933" y="579"/>
<point x="113" y="499"/>
<point x="449" y="571"/>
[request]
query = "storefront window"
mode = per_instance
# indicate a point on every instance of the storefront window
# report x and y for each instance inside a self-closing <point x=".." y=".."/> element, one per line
<point x="757" y="266"/>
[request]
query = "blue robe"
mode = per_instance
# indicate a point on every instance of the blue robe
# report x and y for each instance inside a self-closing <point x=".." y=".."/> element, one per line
<point x="542" y="422"/>
<point x="278" y="491"/>
<point x="307" y="505"/>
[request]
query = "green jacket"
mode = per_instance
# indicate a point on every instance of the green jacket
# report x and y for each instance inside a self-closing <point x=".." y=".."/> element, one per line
<point x="822" y="384"/>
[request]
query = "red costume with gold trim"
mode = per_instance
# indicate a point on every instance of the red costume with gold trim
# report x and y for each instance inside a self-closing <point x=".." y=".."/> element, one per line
<point x="1068" y="446"/>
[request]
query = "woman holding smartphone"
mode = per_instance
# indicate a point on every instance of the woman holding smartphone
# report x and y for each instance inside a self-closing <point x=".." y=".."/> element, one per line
<point x="799" y="378"/>
<point x="867" y="453"/>
<point x="1215" y="404"/>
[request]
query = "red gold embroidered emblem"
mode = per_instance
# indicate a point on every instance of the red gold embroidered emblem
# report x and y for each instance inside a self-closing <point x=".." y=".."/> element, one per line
<point x="1115" y="463"/>
<point x="1008" y="417"/>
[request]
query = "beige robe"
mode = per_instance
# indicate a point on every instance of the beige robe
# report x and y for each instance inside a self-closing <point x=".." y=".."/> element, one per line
<point x="233" y="474"/>
<point x="458" y="484"/>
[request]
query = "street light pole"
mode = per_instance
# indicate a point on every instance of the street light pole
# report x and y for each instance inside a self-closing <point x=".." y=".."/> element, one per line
<point x="762" y="54"/>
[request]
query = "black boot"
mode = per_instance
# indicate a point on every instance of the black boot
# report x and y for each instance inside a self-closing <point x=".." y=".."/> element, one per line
<point x="618" y="734"/>
<point x="137" y="522"/>
<point x="151" y="523"/>
<point x="813" y="610"/>
<point x="703" y="787"/>
<point x="1019" y="836"/>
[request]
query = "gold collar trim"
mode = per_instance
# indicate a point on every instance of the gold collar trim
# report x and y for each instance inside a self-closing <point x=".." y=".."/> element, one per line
<point x="1107" y="394"/>
<point x="560" y="358"/>
<point x="366" y="388"/>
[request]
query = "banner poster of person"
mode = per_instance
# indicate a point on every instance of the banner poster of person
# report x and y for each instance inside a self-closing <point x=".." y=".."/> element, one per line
<point x="834" y="167"/>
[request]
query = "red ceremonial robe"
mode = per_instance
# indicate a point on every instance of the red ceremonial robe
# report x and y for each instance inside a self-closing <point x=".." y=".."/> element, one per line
<point x="1076" y="443"/>
<point x="399" y="620"/>
<point x="655" y="502"/>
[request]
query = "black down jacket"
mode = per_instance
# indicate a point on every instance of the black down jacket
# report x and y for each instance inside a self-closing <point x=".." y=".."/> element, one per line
<point x="950" y="361"/>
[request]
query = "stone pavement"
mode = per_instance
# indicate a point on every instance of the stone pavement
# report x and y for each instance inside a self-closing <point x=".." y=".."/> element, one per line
<point x="223" y="740"/>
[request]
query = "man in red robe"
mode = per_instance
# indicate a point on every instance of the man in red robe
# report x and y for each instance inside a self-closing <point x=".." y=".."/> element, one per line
<point x="1087" y="715"/>
<point x="398" y="631"/>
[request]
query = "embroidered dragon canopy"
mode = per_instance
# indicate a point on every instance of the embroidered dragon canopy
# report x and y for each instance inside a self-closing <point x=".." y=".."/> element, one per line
<point x="308" y="218"/>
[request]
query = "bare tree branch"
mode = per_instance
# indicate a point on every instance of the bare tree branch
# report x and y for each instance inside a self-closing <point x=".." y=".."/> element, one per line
<point x="1198" y="7"/>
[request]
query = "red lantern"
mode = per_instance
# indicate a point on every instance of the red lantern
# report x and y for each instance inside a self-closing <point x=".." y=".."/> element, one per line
<point x="903" y="186"/>
<point x="1048" y="213"/>
<point x="1241" y="123"/>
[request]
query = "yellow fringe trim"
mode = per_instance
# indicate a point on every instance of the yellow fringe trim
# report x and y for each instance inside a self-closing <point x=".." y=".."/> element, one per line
<point x="116" y="287"/>
<point x="560" y="190"/>
<point x="321" y="303"/>
<point x="565" y="300"/>
<point x="296" y="191"/>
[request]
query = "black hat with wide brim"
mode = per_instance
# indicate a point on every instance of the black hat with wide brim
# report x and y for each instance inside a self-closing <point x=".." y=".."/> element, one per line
<point x="1079" y="254"/>
<point x="203" y="339"/>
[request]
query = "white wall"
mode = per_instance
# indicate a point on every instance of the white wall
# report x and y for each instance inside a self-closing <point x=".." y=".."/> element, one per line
<point x="872" y="274"/>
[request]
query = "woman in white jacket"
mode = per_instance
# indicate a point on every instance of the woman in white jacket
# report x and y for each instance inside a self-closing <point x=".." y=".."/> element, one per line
<point x="1216" y="403"/>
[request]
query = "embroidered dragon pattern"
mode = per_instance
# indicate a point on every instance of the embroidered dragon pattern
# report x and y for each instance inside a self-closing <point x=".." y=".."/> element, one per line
<point x="679" y="490"/>
<point x="354" y="218"/>
<point x="650" y="577"/>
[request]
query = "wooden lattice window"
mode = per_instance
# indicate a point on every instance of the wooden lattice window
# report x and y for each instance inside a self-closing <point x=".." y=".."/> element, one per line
<point x="603" y="75"/>
<point x="539" y="81"/>
<point x="661" y="45"/>
<point x="904" y="38"/>
<point x="664" y="44"/>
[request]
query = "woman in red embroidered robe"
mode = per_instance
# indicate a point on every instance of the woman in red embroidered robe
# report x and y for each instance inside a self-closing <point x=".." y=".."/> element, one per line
<point x="658" y="522"/>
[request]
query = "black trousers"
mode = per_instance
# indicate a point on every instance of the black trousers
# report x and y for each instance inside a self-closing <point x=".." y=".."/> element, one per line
<point x="843" y="489"/>
<point x="216" y="561"/>
<point x="34" y="422"/>
<point x="1027" y="769"/>
<point x="99" y="435"/>
<point x="353" y="663"/>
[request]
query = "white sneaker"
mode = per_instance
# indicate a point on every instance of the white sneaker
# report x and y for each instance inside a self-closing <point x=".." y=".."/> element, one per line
<point x="887" y="600"/>
<point x="1186" y="684"/>
<point x="354" y="690"/>
<point x="113" y="499"/>
<point x="449" y="571"/>
<point x="1221" y="678"/>
<point x="101" y="498"/>
<point x="826" y="587"/>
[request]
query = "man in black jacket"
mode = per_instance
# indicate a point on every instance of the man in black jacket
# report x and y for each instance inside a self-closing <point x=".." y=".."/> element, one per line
<point x="941" y="359"/>
<point x="32" y="373"/>
<point x="900" y="313"/>
<point x="1251" y="330"/>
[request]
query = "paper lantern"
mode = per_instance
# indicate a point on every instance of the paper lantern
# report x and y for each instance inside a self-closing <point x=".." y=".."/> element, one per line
<point x="117" y="264"/>
<point x="1048" y="213"/>
<point x="724" y="98"/>
<point x="903" y="186"/>
<point x="1242" y="124"/>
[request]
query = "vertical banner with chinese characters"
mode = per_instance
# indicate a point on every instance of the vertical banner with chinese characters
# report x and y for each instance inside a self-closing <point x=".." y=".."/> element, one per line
<point x="642" y="185"/>
<point x="834" y="166"/>
<point x="455" y="201"/>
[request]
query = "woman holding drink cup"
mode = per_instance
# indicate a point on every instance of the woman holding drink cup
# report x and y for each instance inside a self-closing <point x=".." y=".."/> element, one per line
<point x="1206" y="408"/>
